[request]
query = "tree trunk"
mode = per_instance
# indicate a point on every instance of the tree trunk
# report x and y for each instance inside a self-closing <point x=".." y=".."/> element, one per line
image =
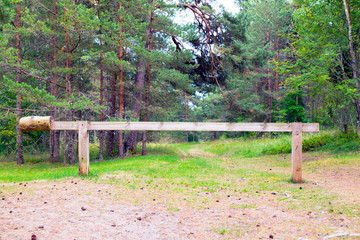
<point x="111" y="134"/>
<point x="131" y="137"/>
<point x="147" y="89"/>
<point x="19" y="140"/>
<point x="269" y="78"/>
<point x="54" y="135"/>
<point x="277" y="75"/>
<point x="101" y="133"/>
<point x="65" y="143"/>
<point x="269" y="94"/>
<point x="186" y="114"/>
<point x="121" y="87"/>
<point x="70" y="138"/>
<point x="69" y="115"/>
<point x="56" y="148"/>
<point x="354" y="63"/>
<point x="351" y="43"/>
<point x="277" y="59"/>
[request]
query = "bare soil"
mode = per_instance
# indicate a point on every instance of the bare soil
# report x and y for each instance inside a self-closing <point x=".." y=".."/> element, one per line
<point x="79" y="209"/>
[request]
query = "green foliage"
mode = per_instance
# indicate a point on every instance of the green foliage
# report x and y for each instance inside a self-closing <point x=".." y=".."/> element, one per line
<point x="340" y="143"/>
<point x="334" y="143"/>
<point x="7" y="135"/>
<point x="270" y="144"/>
<point x="291" y="109"/>
<point x="61" y="55"/>
<point x="316" y="62"/>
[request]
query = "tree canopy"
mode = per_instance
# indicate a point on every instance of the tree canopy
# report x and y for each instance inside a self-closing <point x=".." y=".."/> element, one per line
<point x="272" y="61"/>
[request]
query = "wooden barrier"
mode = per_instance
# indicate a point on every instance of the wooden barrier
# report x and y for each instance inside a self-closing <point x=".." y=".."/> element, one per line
<point x="33" y="124"/>
<point x="46" y="123"/>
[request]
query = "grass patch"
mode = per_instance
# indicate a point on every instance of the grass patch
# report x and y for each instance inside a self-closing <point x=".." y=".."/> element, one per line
<point x="241" y="168"/>
<point x="281" y="144"/>
<point x="160" y="148"/>
<point x="243" y="206"/>
<point x="11" y="172"/>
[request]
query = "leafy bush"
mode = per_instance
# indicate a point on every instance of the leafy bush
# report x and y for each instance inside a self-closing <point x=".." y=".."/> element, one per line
<point x="316" y="141"/>
<point x="342" y="143"/>
<point x="159" y="148"/>
<point x="269" y="144"/>
<point x="338" y="142"/>
<point x="280" y="147"/>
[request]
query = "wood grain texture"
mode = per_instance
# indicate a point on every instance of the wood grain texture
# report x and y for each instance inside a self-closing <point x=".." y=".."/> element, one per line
<point x="84" y="155"/>
<point x="187" y="126"/>
<point x="35" y="123"/>
<point x="296" y="152"/>
<point x="59" y="125"/>
<point x="46" y="123"/>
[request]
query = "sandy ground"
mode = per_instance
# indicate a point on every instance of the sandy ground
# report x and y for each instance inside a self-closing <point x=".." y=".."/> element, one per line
<point x="86" y="209"/>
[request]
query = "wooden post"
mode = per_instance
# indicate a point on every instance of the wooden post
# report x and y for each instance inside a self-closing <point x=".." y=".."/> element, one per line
<point x="296" y="152"/>
<point x="83" y="148"/>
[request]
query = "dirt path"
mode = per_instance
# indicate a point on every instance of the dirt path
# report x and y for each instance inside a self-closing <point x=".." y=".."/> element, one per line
<point x="340" y="179"/>
<point x="79" y="209"/>
<point x="100" y="209"/>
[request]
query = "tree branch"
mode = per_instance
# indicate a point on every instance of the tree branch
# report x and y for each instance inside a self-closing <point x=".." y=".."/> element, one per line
<point x="42" y="5"/>
<point x="40" y="78"/>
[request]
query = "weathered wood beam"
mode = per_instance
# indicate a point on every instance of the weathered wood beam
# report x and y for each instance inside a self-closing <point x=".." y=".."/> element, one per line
<point x="84" y="156"/>
<point x="46" y="123"/>
<point x="32" y="124"/>
<point x="187" y="126"/>
<point x="59" y="125"/>
<point x="296" y="152"/>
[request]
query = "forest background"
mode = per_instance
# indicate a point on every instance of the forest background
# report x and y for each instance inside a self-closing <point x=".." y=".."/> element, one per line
<point x="272" y="61"/>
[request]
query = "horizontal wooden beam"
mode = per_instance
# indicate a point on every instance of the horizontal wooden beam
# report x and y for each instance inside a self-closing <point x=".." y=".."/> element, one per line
<point x="59" y="125"/>
<point x="187" y="126"/>
<point x="46" y="123"/>
<point x="34" y="123"/>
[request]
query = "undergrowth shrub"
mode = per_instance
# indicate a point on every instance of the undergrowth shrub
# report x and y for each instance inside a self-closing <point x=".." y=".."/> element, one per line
<point x="280" y="147"/>
<point x="342" y="142"/>
<point x="326" y="141"/>
<point x="159" y="148"/>
<point x="336" y="142"/>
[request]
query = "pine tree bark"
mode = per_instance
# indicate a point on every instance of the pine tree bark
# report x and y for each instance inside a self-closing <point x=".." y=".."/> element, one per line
<point x="131" y="137"/>
<point x="54" y="135"/>
<point x="101" y="133"/>
<point x="277" y="59"/>
<point x="70" y="135"/>
<point x="354" y="63"/>
<point x="19" y="140"/>
<point x="112" y="101"/>
<point x="269" y="94"/>
<point x="121" y="87"/>
<point x="276" y="72"/>
<point x="269" y="79"/>
<point x="148" y="79"/>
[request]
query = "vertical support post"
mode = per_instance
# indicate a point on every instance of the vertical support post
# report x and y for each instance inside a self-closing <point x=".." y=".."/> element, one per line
<point x="296" y="152"/>
<point x="83" y="148"/>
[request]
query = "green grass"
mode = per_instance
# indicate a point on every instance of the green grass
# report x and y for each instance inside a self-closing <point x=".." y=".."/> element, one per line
<point x="11" y="172"/>
<point x="238" y="166"/>
<point x="222" y="231"/>
<point x="278" y="144"/>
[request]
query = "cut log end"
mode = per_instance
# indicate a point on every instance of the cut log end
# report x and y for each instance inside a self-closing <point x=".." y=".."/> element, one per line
<point x="35" y="123"/>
